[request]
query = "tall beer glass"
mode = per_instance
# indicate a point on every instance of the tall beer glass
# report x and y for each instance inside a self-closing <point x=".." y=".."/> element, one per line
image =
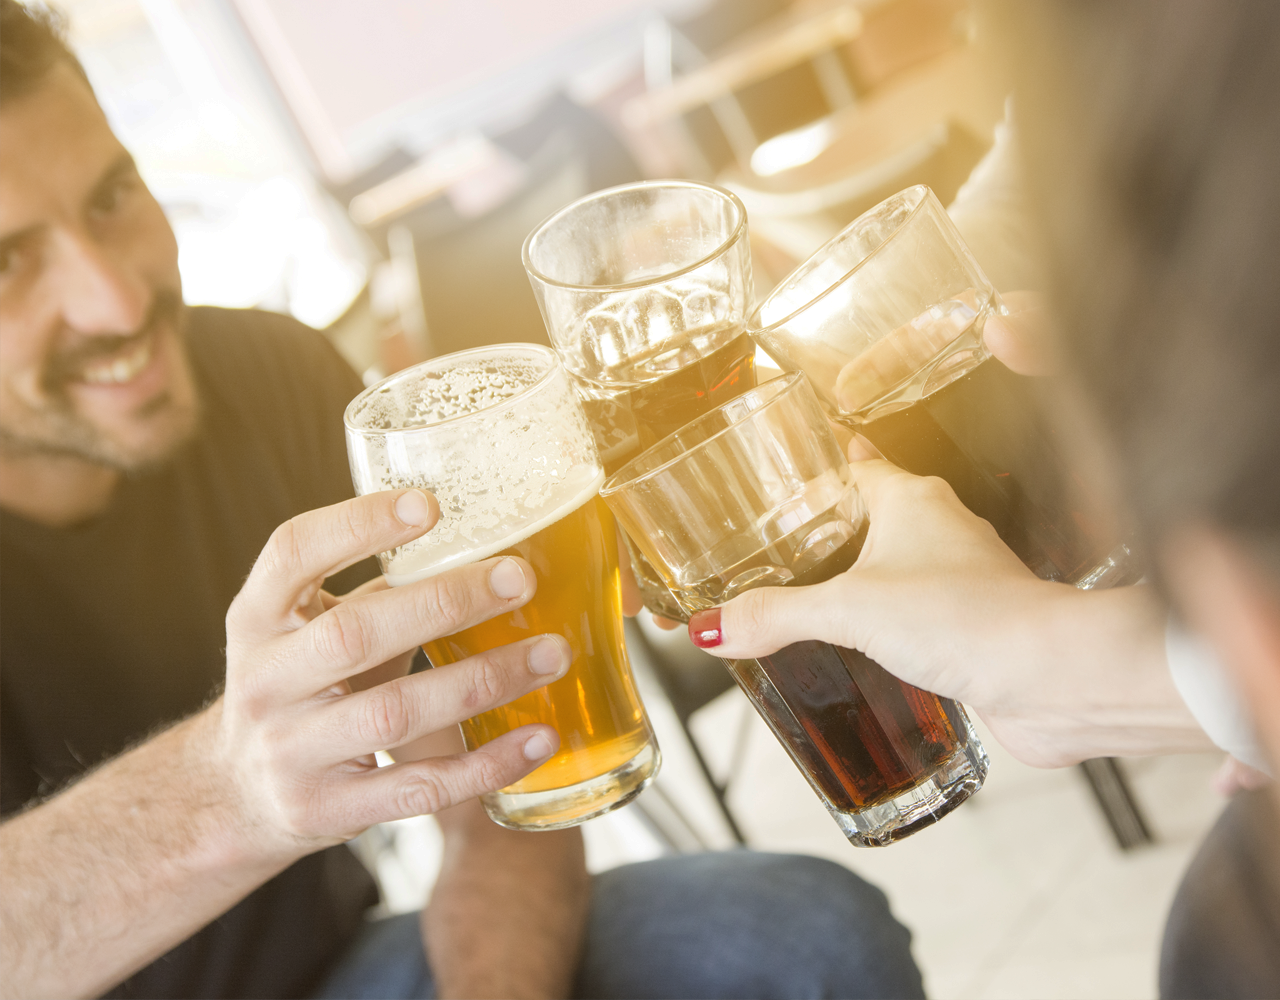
<point x="758" y="493"/>
<point x="498" y="435"/>
<point x="645" y="289"/>
<point x="887" y="319"/>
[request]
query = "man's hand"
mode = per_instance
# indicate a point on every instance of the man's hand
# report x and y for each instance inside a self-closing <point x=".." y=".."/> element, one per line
<point x="296" y="736"/>
<point x="136" y="856"/>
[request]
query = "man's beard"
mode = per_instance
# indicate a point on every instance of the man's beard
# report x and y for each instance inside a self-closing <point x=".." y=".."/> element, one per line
<point x="67" y="434"/>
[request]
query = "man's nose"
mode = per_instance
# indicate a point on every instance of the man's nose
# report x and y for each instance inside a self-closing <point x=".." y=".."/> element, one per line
<point x="100" y="292"/>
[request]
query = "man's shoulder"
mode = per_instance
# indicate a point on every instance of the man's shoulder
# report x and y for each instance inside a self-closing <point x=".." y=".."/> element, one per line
<point x="245" y="342"/>
<point x="255" y="359"/>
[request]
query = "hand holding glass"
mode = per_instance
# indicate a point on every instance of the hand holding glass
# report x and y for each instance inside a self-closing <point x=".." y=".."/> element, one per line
<point x="758" y="493"/>
<point x="499" y="437"/>
<point x="886" y="320"/>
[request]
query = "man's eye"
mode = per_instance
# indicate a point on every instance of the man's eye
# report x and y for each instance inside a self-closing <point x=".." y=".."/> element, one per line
<point x="110" y="198"/>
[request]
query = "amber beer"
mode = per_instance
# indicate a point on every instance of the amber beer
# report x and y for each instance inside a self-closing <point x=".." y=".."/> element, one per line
<point x="628" y="414"/>
<point x="500" y="437"/>
<point x="666" y="389"/>
<point x="594" y="706"/>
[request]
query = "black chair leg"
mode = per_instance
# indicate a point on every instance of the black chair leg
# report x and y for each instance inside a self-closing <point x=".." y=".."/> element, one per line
<point x="1110" y="787"/>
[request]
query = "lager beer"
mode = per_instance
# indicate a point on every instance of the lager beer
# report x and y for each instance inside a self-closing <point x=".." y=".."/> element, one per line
<point x="498" y="435"/>
<point x="594" y="706"/>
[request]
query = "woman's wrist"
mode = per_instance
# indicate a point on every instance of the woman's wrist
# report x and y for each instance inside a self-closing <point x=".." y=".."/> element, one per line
<point x="1083" y="674"/>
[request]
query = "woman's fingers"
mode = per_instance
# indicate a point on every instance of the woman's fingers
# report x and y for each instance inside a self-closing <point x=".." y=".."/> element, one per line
<point x="400" y="711"/>
<point x="1022" y="339"/>
<point x="307" y="548"/>
<point x="762" y="621"/>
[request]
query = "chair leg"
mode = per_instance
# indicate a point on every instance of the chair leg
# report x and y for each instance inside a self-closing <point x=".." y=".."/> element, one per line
<point x="1110" y="787"/>
<point x="717" y="789"/>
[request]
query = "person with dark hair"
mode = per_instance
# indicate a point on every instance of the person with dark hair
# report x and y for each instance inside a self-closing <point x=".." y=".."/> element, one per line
<point x="190" y="720"/>
<point x="1151" y="140"/>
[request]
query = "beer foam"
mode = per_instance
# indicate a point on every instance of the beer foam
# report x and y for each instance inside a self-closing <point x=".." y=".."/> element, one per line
<point x="583" y="496"/>
<point x="435" y="396"/>
<point x="498" y="435"/>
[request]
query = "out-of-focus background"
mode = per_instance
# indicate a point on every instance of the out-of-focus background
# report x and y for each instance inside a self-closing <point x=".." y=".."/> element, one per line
<point x="373" y="170"/>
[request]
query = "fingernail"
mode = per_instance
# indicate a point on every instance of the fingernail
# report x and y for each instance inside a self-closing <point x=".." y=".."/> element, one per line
<point x="546" y="656"/>
<point x="538" y="747"/>
<point x="704" y="629"/>
<point x="413" y="508"/>
<point x="507" y="579"/>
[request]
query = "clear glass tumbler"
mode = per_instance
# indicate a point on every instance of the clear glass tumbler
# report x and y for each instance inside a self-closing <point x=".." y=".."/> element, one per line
<point x="758" y="493"/>
<point x="645" y="289"/>
<point x="499" y="436"/>
<point x="886" y="320"/>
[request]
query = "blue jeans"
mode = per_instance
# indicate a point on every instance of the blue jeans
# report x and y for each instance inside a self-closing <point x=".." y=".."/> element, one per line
<point x="731" y="924"/>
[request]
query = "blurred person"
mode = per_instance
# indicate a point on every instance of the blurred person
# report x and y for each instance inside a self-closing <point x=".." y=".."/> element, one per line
<point x="1151" y="136"/>
<point x="190" y="720"/>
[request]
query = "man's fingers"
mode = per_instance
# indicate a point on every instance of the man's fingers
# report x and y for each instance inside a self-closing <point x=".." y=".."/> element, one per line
<point x="406" y="709"/>
<point x="363" y="631"/>
<point x="307" y="548"/>
<point x="422" y="787"/>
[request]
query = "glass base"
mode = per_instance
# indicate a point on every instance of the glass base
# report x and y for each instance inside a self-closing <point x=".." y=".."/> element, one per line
<point x="653" y="591"/>
<point x="557" y="808"/>
<point x="1120" y="568"/>
<point x="925" y="804"/>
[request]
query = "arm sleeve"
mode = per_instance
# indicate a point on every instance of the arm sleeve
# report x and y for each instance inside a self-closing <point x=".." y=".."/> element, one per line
<point x="992" y="214"/>
<point x="1205" y="687"/>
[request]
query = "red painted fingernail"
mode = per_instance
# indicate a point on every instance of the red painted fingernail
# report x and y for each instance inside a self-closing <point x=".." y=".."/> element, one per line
<point x="704" y="629"/>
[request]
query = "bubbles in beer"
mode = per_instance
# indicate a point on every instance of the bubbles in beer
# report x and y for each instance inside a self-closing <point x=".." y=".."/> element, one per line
<point x="535" y="458"/>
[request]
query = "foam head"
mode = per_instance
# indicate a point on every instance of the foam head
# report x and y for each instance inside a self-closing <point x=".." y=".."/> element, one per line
<point x="496" y="433"/>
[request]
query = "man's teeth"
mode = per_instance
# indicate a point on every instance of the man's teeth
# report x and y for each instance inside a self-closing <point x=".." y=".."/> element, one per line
<point x="119" y="370"/>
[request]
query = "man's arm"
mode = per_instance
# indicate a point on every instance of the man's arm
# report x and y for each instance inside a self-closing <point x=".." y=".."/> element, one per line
<point x="130" y="860"/>
<point x="110" y="874"/>
<point x="507" y="914"/>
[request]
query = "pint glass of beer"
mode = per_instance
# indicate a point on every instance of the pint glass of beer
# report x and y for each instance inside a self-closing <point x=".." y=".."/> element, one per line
<point x="645" y="289"/>
<point x="886" y="319"/>
<point x="757" y="493"/>
<point x="498" y="435"/>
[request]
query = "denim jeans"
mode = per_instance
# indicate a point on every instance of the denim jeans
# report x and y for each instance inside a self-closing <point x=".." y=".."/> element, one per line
<point x="728" y="924"/>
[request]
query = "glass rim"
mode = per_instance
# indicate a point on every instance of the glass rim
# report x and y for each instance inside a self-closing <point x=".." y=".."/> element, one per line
<point x="434" y="364"/>
<point x="923" y="189"/>
<point x="738" y="230"/>
<point x="785" y="383"/>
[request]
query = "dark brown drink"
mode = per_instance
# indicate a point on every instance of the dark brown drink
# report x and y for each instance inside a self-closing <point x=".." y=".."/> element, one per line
<point x="628" y="416"/>
<point x="867" y="736"/>
<point x="987" y="434"/>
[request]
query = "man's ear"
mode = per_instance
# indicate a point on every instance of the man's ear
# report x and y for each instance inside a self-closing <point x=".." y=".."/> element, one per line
<point x="1234" y="604"/>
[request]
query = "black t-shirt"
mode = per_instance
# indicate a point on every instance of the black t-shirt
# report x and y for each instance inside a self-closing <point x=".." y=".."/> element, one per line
<point x="116" y="627"/>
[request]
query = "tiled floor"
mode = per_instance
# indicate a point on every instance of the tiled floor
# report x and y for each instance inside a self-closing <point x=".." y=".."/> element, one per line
<point x="1020" y="893"/>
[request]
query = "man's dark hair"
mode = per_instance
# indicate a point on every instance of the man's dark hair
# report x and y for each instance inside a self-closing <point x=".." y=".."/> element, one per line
<point x="1152" y="135"/>
<point x="32" y="42"/>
